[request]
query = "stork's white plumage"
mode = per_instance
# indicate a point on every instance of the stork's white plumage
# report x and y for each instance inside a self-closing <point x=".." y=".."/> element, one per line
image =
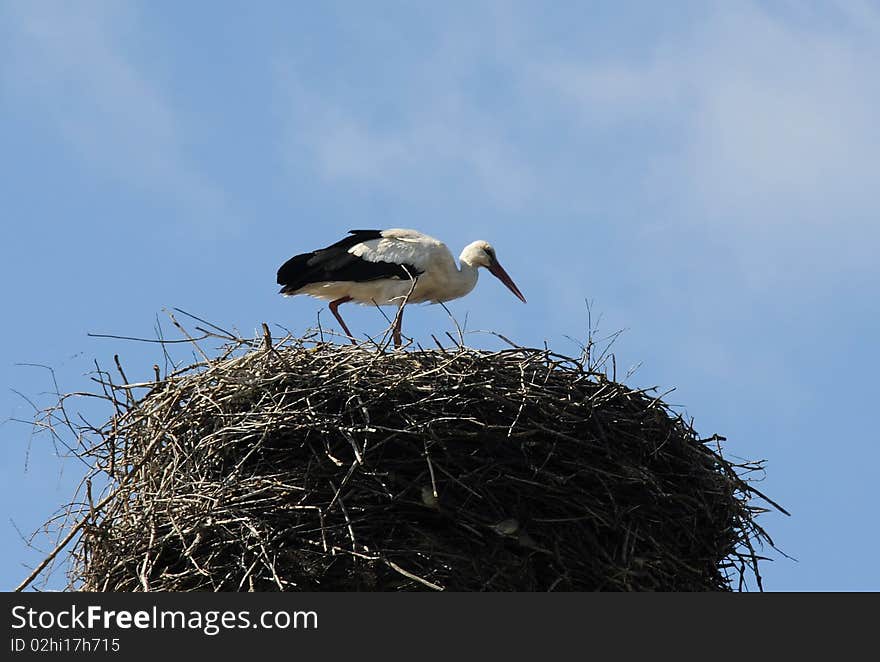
<point x="382" y="267"/>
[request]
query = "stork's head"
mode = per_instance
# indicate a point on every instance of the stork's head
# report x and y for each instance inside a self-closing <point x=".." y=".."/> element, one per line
<point x="481" y="254"/>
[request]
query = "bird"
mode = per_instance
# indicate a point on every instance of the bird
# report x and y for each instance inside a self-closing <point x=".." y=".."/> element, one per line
<point x="389" y="267"/>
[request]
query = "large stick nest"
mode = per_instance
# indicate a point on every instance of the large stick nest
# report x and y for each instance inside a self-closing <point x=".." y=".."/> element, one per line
<point x="312" y="466"/>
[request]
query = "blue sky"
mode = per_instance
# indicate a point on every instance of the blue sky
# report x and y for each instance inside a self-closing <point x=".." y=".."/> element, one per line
<point x="704" y="172"/>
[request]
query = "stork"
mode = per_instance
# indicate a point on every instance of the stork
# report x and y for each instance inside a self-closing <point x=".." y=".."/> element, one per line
<point x="389" y="267"/>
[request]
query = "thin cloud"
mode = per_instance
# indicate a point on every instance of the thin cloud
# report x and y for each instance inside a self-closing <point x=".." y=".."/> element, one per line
<point x="414" y="155"/>
<point x="764" y="108"/>
<point x="68" y="64"/>
<point x="439" y="134"/>
<point x="768" y="129"/>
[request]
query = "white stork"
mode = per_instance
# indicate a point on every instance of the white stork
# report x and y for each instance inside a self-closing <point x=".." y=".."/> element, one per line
<point x="382" y="267"/>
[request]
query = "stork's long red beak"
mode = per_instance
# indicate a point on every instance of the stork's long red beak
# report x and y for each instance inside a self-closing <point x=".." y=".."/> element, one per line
<point x="498" y="271"/>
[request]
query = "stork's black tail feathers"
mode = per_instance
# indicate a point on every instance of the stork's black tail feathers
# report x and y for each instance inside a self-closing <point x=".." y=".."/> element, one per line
<point x="293" y="274"/>
<point x="335" y="263"/>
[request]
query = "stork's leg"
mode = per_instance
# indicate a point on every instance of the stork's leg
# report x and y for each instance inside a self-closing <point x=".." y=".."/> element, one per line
<point x="395" y="334"/>
<point x="333" y="306"/>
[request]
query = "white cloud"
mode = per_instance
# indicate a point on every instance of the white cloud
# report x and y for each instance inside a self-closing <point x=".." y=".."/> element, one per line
<point x="789" y="119"/>
<point x="67" y="63"/>
<point x="431" y="131"/>
<point x="766" y="109"/>
<point x="763" y="128"/>
<point x="610" y="92"/>
<point x="412" y="155"/>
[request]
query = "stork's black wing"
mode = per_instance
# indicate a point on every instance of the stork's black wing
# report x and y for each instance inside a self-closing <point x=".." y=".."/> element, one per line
<point x="335" y="263"/>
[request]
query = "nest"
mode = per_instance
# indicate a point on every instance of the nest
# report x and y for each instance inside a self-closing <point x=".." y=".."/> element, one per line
<point x="304" y="465"/>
